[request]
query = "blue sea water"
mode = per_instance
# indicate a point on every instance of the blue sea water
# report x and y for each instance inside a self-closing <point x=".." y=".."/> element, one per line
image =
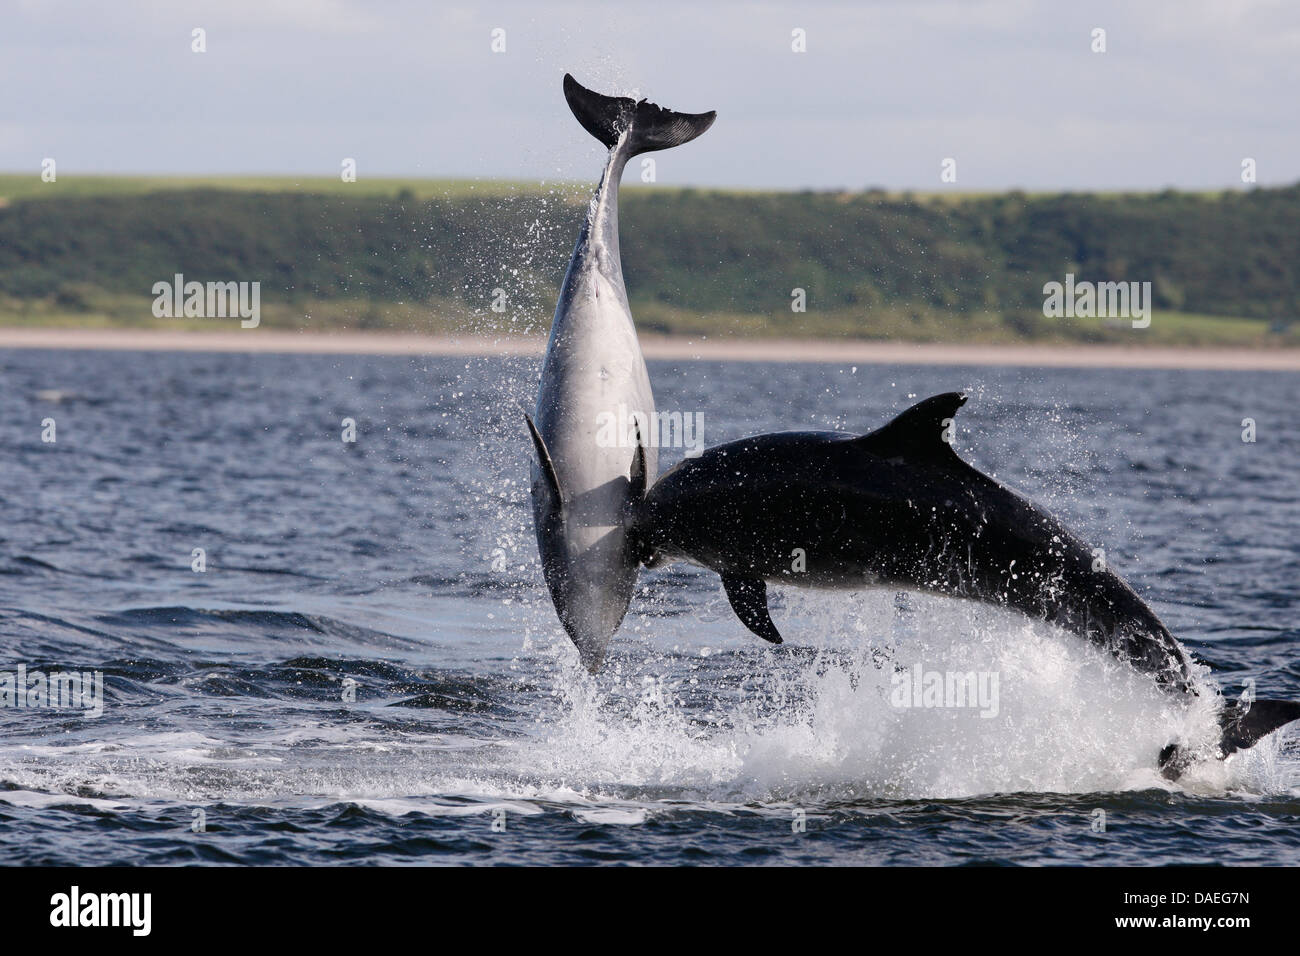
<point x="401" y="571"/>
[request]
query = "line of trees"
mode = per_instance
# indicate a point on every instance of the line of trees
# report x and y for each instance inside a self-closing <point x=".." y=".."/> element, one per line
<point x="1235" y="253"/>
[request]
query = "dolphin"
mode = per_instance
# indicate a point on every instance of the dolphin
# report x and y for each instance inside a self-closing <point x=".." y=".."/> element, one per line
<point x="898" y="508"/>
<point x="583" y="489"/>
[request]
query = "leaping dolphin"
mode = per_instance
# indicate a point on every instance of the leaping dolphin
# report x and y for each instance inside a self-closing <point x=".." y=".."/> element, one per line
<point x="582" y="492"/>
<point x="897" y="507"/>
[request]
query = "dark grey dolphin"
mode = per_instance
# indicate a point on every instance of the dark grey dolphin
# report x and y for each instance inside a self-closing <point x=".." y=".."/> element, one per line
<point x="583" y="484"/>
<point x="897" y="508"/>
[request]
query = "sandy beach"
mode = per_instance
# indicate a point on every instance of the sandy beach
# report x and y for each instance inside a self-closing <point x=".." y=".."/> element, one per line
<point x="659" y="347"/>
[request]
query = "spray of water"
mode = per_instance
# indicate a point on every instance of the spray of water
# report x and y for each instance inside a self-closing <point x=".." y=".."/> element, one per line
<point x="825" y="723"/>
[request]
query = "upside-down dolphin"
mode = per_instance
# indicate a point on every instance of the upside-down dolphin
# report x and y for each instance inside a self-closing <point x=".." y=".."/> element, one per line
<point x="582" y="488"/>
<point x="898" y="508"/>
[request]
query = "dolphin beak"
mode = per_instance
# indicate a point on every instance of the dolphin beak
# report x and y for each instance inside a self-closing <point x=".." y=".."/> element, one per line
<point x="592" y="657"/>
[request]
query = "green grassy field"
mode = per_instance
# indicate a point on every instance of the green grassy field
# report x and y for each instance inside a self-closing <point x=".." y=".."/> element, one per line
<point x="16" y="186"/>
<point x="451" y="317"/>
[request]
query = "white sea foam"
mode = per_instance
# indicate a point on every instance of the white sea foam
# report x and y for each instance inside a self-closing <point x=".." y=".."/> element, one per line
<point x="720" y="722"/>
<point x="1070" y="719"/>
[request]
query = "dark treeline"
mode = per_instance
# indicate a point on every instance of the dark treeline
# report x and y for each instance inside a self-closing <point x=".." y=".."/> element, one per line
<point x="1234" y="254"/>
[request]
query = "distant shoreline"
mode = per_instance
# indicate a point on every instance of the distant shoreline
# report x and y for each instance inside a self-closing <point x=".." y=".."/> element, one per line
<point x="834" y="351"/>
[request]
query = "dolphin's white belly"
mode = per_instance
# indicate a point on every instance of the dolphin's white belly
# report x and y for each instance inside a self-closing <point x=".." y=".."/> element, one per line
<point x="593" y="383"/>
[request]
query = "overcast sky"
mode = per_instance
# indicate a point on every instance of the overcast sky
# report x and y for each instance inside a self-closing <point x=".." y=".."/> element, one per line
<point x="886" y="90"/>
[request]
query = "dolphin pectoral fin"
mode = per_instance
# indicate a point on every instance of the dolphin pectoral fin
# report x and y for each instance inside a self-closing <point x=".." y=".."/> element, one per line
<point x="918" y="434"/>
<point x="1242" y="727"/>
<point x="638" y="478"/>
<point x="544" y="461"/>
<point x="651" y="127"/>
<point x="633" y="515"/>
<point x="748" y="597"/>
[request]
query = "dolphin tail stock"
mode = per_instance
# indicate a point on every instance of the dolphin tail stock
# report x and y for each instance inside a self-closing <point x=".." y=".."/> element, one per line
<point x="1242" y="726"/>
<point x="648" y="127"/>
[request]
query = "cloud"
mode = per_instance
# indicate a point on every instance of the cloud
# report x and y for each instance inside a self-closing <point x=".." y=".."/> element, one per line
<point x="885" y="91"/>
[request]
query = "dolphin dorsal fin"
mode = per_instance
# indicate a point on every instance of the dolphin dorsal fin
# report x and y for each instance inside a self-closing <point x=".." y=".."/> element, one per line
<point x="544" y="461"/>
<point x="917" y="435"/>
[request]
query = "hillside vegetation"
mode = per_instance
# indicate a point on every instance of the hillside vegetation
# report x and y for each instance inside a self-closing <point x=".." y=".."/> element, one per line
<point x="427" y="256"/>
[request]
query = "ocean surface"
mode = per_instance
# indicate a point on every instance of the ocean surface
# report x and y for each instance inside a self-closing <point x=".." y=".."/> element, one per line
<point x="368" y="668"/>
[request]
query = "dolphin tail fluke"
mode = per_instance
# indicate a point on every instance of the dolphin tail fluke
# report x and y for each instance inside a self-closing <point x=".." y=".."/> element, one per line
<point x="1244" y="726"/>
<point x="1241" y="726"/>
<point x="648" y="127"/>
